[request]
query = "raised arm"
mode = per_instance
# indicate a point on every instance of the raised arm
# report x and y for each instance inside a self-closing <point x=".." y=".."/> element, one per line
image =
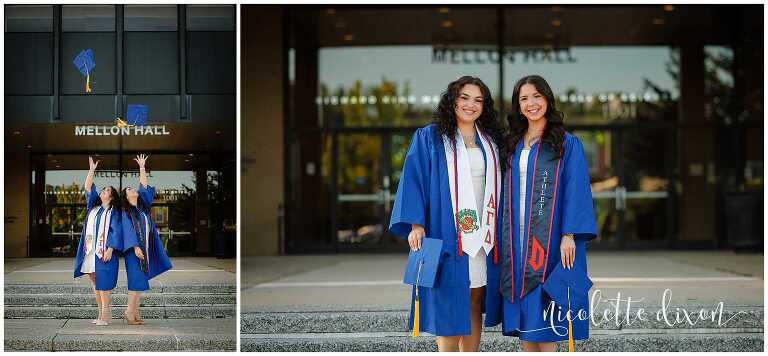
<point x="142" y="161"/>
<point x="91" y="171"/>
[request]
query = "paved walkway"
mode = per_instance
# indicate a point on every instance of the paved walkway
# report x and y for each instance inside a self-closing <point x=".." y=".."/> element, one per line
<point x="155" y="335"/>
<point x="373" y="282"/>
<point x="59" y="271"/>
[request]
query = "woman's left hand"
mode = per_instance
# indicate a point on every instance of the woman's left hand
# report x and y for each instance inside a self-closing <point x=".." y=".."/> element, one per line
<point x="141" y="160"/>
<point x="107" y="255"/>
<point x="567" y="251"/>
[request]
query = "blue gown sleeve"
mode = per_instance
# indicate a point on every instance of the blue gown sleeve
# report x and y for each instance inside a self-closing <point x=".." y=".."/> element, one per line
<point x="129" y="236"/>
<point x="91" y="197"/>
<point x="412" y="200"/>
<point x="115" y="240"/>
<point x="146" y="196"/>
<point x="578" y="211"/>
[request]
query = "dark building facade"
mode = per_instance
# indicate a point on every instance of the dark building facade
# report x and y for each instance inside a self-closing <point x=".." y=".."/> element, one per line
<point x="167" y="71"/>
<point x="667" y="99"/>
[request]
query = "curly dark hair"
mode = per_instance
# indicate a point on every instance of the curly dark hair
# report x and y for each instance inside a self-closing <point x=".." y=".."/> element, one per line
<point x="445" y="114"/>
<point x="554" y="132"/>
<point x="124" y="199"/>
<point x="115" y="202"/>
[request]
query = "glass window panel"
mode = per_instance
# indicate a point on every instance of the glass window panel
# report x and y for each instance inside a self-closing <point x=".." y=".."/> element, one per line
<point x="211" y="62"/>
<point x="151" y="63"/>
<point x="87" y="18"/>
<point x="151" y="18"/>
<point x="388" y="76"/>
<point x="595" y="85"/>
<point x="29" y="63"/>
<point x="28" y="18"/>
<point x="210" y="17"/>
<point x="102" y="76"/>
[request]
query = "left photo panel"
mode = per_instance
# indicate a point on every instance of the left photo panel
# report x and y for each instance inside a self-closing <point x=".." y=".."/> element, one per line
<point x="120" y="178"/>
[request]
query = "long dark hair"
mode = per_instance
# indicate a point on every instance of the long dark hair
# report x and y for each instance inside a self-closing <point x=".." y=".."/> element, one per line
<point x="124" y="200"/>
<point x="554" y="132"/>
<point x="444" y="115"/>
<point x="114" y="203"/>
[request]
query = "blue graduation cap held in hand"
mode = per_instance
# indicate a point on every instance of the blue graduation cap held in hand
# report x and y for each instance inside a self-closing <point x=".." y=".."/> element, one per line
<point x="137" y="114"/>
<point x="422" y="264"/>
<point x="85" y="63"/>
<point x="421" y="271"/>
<point x="569" y="288"/>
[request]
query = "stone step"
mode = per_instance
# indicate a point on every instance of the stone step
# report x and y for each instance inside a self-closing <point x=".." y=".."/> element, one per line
<point x="614" y="341"/>
<point x="397" y="321"/>
<point x="84" y="288"/>
<point x="212" y="311"/>
<point x="155" y="335"/>
<point x="148" y="299"/>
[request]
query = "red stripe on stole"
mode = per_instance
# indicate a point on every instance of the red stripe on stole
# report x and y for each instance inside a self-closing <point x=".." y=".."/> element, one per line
<point x="495" y="192"/>
<point x="509" y="207"/>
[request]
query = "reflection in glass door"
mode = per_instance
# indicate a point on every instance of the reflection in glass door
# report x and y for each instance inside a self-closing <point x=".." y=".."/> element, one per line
<point x="629" y="174"/>
<point x="360" y="190"/>
<point x="66" y="222"/>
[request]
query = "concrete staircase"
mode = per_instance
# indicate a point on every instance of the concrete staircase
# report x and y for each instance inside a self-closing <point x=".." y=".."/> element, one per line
<point x="56" y="317"/>
<point x="386" y="330"/>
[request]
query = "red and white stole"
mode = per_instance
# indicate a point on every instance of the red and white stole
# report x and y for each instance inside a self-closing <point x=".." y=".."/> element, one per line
<point x="474" y="231"/>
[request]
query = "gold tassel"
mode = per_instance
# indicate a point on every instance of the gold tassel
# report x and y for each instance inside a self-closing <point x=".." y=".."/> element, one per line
<point x="88" y="83"/>
<point x="415" y="331"/>
<point x="570" y="323"/>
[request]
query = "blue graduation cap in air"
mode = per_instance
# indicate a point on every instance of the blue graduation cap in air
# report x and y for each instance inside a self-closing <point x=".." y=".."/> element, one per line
<point x="85" y="63"/>
<point x="137" y="114"/>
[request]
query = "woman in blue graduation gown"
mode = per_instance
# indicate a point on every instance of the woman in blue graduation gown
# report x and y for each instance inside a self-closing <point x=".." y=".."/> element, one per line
<point x="435" y="174"/>
<point x="548" y="181"/>
<point x="145" y="256"/>
<point x="101" y="236"/>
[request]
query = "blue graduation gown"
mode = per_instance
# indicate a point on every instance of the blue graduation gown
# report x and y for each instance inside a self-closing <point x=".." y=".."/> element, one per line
<point x="158" y="258"/>
<point x="574" y="214"/>
<point x="424" y="197"/>
<point x="106" y="273"/>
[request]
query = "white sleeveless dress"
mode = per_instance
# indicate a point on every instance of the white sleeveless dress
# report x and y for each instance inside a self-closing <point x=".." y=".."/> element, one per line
<point x="477" y="268"/>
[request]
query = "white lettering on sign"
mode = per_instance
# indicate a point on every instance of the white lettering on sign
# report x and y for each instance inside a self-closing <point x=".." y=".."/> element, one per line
<point x="103" y="130"/>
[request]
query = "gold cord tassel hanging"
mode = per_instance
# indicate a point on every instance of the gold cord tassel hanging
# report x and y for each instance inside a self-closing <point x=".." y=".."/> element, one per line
<point x="570" y="323"/>
<point x="415" y="331"/>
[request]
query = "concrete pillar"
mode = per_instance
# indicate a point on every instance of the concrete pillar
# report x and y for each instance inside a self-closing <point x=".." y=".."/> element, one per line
<point x="696" y="146"/>
<point x="262" y="88"/>
<point x="17" y="210"/>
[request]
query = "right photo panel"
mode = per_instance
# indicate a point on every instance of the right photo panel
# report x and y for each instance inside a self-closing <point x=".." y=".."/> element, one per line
<point x="502" y="178"/>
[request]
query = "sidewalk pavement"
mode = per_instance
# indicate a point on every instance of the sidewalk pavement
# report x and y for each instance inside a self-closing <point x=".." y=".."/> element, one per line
<point x="186" y="270"/>
<point x="191" y="307"/>
<point x="374" y="281"/>
<point x="155" y="335"/>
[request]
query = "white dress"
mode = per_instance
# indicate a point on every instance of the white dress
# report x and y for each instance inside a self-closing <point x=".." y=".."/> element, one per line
<point x="477" y="268"/>
<point x="89" y="261"/>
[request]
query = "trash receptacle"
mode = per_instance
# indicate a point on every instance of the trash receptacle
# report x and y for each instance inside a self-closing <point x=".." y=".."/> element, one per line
<point x="744" y="219"/>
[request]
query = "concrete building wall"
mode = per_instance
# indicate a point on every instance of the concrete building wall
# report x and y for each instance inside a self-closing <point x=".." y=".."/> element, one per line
<point x="16" y="203"/>
<point x="261" y="125"/>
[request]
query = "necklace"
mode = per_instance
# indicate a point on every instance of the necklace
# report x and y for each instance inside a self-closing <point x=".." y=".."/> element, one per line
<point x="529" y="140"/>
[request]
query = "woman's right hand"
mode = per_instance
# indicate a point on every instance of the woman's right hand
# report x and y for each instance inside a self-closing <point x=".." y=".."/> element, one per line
<point x="92" y="165"/>
<point x="137" y="251"/>
<point x="414" y="238"/>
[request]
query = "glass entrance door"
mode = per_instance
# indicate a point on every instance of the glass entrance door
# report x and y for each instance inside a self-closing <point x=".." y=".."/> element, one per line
<point x="630" y="170"/>
<point x="58" y="202"/>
